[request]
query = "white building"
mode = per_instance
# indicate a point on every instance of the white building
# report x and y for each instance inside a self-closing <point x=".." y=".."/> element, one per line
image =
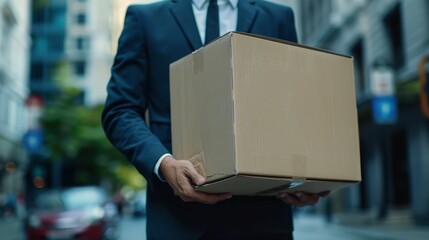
<point x="88" y="43"/>
<point x="14" y="52"/>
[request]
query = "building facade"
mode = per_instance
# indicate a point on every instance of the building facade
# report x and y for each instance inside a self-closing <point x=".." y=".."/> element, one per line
<point x="48" y="30"/>
<point x="88" y="43"/>
<point x="14" y="47"/>
<point x="394" y="156"/>
<point x="71" y="47"/>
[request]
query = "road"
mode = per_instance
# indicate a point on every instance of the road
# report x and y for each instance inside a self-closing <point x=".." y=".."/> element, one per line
<point x="308" y="228"/>
<point x="132" y="228"/>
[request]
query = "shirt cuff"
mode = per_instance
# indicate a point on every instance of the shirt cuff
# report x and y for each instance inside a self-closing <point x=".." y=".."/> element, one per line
<point x="158" y="164"/>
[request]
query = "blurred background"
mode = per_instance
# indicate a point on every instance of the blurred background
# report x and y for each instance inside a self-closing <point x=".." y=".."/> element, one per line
<point x="55" y="59"/>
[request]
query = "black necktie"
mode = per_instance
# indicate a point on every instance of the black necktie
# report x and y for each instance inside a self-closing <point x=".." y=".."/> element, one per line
<point x="212" y="22"/>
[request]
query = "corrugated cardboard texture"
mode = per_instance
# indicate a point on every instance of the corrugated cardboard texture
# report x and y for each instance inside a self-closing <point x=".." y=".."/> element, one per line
<point x="202" y="109"/>
<point x="252" y="113"/>
<point x="295" y="111"/>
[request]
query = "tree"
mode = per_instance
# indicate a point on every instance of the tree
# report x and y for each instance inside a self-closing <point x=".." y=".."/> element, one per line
<point x="73" y="135"/>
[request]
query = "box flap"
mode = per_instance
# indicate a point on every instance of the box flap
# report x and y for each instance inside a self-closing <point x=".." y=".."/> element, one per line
<point x="287" y="42"/>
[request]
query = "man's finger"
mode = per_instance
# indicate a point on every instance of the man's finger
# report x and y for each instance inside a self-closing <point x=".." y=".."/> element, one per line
<point x="210" y="198"/>
<point x="195" y="177"/>
<point x="287" y="198"/>
<point x="302" y="196"/>
<point x="324" y="194"/>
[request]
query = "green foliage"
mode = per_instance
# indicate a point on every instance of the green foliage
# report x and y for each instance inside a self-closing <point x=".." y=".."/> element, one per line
<point x="73" y="134"/>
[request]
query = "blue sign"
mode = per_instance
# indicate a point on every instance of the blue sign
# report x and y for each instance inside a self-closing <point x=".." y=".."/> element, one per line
<point x="33" y="140"/>
<point x="384" y="109"/>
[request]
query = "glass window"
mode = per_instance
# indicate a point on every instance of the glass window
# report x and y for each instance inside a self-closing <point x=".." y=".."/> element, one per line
<point x="58" y="17"/>
<point x="393" y="25"/>
<point x="49" y="201"/>
<point x="81" y="198"/>
<point x="37" y="72"/>
<point x="38" y="15"/>
<point x="40" y="44"/>
<point x="81" y="18"/>
<point x="81" y="43"/>
<point x="80" y="68"/>
<point x="56" y="43"/>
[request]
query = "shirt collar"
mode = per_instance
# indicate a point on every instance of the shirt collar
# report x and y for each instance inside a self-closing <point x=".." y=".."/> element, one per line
<point x="199" y="3"/>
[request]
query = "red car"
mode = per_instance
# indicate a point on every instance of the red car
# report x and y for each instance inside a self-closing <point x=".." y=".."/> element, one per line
<point x="76" y="213"/>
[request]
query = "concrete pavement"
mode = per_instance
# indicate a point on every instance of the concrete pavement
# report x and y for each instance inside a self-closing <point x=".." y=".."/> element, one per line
<point x="307" y="227"/>
<point x="314" y="227"/>
<point x="11" y="229"/>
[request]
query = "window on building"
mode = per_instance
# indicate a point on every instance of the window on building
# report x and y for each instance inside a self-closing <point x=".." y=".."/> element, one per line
<point x="81" y="43"/>
<point x="37" y="72"/>
<point x="357" y="53"/>
<point x="58" y="17"/>
<point x="56" y="43"/>
<point x="40" y="44"/>
<point x="5" y="42"/>
<point x="38" y="15"/>
<point x="393" y="25"/>
<point x="81" y="18"/>
<point x="80" y="68"/>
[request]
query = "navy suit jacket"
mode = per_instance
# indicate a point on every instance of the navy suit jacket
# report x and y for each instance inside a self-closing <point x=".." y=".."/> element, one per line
<point x="154" y="36"/>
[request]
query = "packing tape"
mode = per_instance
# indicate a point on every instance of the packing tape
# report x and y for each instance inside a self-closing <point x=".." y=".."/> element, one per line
<point x="297" y="181"/>
<point x="299" y="165"/>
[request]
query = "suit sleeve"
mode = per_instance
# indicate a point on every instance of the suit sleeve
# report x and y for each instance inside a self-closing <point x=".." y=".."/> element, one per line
<point x="126" y="103"/>
<point x="288" y="29"/>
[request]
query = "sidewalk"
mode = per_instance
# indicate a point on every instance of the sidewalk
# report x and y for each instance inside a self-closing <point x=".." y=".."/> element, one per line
<point x="314" y="227"/>
<point x="11" y="229"/>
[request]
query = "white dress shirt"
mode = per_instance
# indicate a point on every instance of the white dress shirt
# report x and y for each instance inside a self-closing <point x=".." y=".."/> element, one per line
<point x="227" y="16"/>
<point x="227" y="22"/>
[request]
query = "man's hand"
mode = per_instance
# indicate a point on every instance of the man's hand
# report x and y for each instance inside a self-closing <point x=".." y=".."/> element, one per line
<point x="181" y="174"/>
<point x="301" y="199"/>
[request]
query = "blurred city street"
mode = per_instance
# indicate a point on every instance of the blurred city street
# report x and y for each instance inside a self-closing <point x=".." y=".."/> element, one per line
<point x="314" y="227"/>
<point x="56" y="60"/>
<point x="310" y="227"/>
<point x="132" y="228"/>
<point x="11" y="229"/>
<point x="307" y="227"/>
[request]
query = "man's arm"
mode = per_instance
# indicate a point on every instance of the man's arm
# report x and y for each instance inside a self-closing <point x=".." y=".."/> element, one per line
<point x="123" y="115"/>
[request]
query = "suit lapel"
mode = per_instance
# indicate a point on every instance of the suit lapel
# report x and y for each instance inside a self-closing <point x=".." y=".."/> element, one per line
<point x="184" y="16"/>
<point x="247" y="13"/>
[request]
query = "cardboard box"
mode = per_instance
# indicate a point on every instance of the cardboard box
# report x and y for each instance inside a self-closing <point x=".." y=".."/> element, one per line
<point x="258" y="116"/>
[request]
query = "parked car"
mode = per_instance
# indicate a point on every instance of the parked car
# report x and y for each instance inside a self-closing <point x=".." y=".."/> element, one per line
<point x="138" y="204"/>
<point x="74" y="213"/>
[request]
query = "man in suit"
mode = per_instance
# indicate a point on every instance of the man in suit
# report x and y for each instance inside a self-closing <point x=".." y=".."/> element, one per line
<point x="154" y="36"/>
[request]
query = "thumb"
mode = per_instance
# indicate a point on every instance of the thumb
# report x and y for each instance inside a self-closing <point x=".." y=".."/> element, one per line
<point x="196" y="178"/>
